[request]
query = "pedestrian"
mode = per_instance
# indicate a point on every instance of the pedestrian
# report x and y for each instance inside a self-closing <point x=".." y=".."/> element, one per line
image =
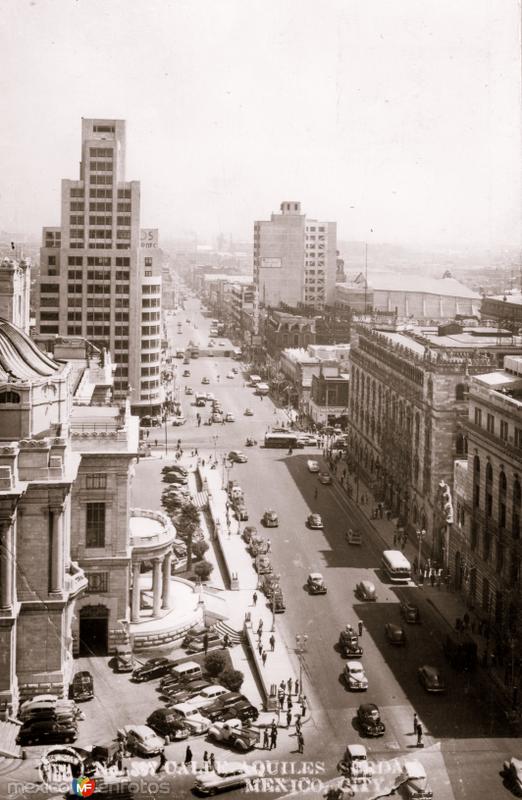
<point x="432" y="577"/>
<point x="260" y="647"/>
<point x="120" y="755"/>
<point x="266" y="739"/>
<point x="415" y="722"/>
<point x="272" y="642"/>
<point x="260" y="627"/>
<point x="155" y="442"/>
<point x="188" y="755"/>
<point x="212" y="762"/>
<point x="254" y="598"/>
<point x="281" y="698"/>
<point x="300" y="743"/>
<point x="298" y="724"/>
<point x="282" y="687"/>
<point x="162" y="761"/>
<point x="289" y="685"/>
<point x="205" y="643"/>
<point x="297" y="686"/>
<point x="273" y="739"/>
<point x="263" y="656"/>
<point x="303" y="706"/>
<point x="288" y="718"/>
<point x="269" y="546"/>
<point x="205" y="761"/>
<point x="419" y="735"/>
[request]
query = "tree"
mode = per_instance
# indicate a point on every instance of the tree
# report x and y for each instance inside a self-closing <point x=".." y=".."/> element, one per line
<point x="215" y="662"/>
<point x="187" y="522"/>
<point x="202" y="569"/>
<point x="199" y="549"/>
<point x="232" y="679"/>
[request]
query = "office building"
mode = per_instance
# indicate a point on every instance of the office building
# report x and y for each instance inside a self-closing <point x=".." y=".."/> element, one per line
<point x="100" y="275"/>
<point x="295" y="259"/>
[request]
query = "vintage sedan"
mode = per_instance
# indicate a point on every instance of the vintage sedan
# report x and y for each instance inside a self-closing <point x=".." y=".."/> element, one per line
<point x="154" y="668"/>
<point x="315" y="583"/>
<point x="313" y="466"/>
<point x="354" y="677"/>
<point x="262" y="564"/>
<point x="512" y="774"/>
<point x="205" y="381"/>
<point x="249" y="412"/>
<point x="165" y="723"/>
<point x="355" y="763"/>
<point x="369" y="719"/>
<point x="270" y="519"/>
<point x="395" y="634"/>
<point x="237" y="457"/>
<point x="141" y="740"/>
<point x="227" y="775"/>
<point x="315" y="521"/>
<point x="123" y="660"/>
<point x="410" y="612"/>
<point x="349" y="646"/>
<point x="325" y="478"/>
<point x="365" y="590"/>
<point x="431" y="679"/>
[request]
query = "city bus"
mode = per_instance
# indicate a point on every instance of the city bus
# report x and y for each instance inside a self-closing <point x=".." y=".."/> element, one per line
<point x="396" y="566"/>
<point x="288" y="440"/>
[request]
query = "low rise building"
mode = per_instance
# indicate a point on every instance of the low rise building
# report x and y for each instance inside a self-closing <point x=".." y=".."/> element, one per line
<point x="329" y="396"/>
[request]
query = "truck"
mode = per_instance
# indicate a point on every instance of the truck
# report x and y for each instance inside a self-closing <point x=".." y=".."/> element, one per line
<point x="234" y="734"/>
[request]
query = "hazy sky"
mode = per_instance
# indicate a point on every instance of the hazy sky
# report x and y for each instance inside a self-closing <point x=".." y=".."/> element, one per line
<point x="401" y="116"/>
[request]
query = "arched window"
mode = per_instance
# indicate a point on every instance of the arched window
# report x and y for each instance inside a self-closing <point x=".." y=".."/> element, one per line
<point x="488" y="505"/>
<point x="515" y="515"/>
<point x="9" y="396"/>
<point x="476" y="482"/>
<point x="502" y="489"/>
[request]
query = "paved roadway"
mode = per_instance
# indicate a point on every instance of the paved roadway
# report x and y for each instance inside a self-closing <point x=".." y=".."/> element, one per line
<point x="463" y="735"/>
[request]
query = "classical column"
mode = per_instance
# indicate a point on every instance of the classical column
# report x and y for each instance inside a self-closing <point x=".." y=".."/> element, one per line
<point x="165" y="592"/>
<point x="6" y="564"/>
<point x="135" y="611"/>
<point x="156" y="587"/>
<point x="57" y="561"/>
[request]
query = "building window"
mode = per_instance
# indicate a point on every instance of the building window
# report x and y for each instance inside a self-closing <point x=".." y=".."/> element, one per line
<point x="97" y="582"/>
<point x="515" y="513"/>
<point x="96" y="480"/>
<point x="490" y="423"/>
<point x="502" y="489"/>
<point x="489" y="490"/>
<point x="503" y="430"/>
<point x="478" y="416"/>
<point x="476" y="482"/>
<point x="95" y="525"/>
<point x="9" y="397"/>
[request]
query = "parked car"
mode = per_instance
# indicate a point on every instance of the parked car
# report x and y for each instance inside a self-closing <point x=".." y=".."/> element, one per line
<point x="395" y="634"/>
<point x="141" y="740"/>
<point x="197" y="644"/>
<point x="355" y="763"/>
<point x="410" y="612"/>
<point x="307" y="439"/>
<point x="192" y="718"/>
<point x="313" y="466"/>
<point x="258" y="546"/>
<point x="175" y="477"/>
<point x="82" y="686"/>
<point x="233" y="733"/>
<point x="325" y="478"/>
<point x="369" y="719"/>
<point x="249" y="412"/>
<point x="154" y="668"/>
<point x="270" y="519"/>
<point x="262" y="564"/>
<point x="228" y="775"/>
<point x="241" y="511"/>
<point x="248" y="532"/>
<point x="123" y="660"/>
<point x="412" y="782"/>
<point x="208" y="696"/>
<point x="512" y="774"/>
<point x="354" y="677"/>
<point x="56" y="709"/>
<point x="43" y="731"/>
<point x="229" y="417"/>
<point x="349" y="646"/>
<point x="231" y="375"/>
<point x="315" y="583"/>
<point x="431" y="679"/>
<point x="165" y="723"/>
<point x="232" y="705"/>
<point x="365" y="590"/>
<point x="237" y="457"/>
<point x="314" y="521"/>
<point x="189" y="390"/>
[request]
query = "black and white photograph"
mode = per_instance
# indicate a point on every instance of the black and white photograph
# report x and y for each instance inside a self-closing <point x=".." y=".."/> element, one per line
<point x="261" y="399"/>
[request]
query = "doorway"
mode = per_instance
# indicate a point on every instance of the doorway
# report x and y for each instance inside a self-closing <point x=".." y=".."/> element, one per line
<point x="94" y="630"/>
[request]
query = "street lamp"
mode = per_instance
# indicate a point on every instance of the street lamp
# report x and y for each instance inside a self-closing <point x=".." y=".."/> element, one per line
<point x="300" y="648"/>
<point x="420" y="536"/>
<point x="227" y="466"/>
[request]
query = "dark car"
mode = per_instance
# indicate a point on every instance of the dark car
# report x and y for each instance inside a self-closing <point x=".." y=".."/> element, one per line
<point x="270" y="519"/>
<point x="277" y="601"/>
<point x="175" y="477"/>
<point x="410" y="612"/>
<point x="431" y="679"/>
<point x="174" y="468"/>
<point x="82" y="686"/>
<point x="217" y="709"/>
<point x="243" y="710"/>
<point x="349" y="646"/>
<point x="175" y="691"/>
<point x="154" y="668"/>
<point x="395" y="633"/>
<point x="248" y="532"/>
<point x="460" y="650"/>
<point x="315" y="583"/>
<point x="369" y="718"/>
<point x="167" y="723"/>
<point x="38" y="731"/>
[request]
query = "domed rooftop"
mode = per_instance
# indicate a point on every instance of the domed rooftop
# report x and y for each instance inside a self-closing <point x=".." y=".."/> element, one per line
<point x="20" y="358"/>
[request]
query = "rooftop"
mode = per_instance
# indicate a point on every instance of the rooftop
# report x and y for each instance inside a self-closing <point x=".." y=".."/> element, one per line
<point x="20" y="358"/>
<point x="399" y="282"/>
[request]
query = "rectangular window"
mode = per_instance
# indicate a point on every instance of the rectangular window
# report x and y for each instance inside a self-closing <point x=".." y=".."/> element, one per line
<point x="478" y="416"/>
<point x="503" y="429"/>
<point x="75" y="261"/>
<point x="76" y="192"/>
<point x="49" y="316"/>
<point x="122" y="261"/>
<point x="73" y="330"/>
<point x="50" y="288"/>
<point x="96" y="480"/>
<point x="95" y="525"/>
<point x="97" y="582"/>
<point x="490" y="423"/>
<point x="518" y="437"/>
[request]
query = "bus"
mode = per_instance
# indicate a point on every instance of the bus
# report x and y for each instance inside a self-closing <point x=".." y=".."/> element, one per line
<point x="255" y="379"/>
<point x="288" y="440"/>
<point x="396" y="565"/>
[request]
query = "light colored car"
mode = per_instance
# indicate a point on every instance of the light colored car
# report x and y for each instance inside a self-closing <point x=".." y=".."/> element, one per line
<point x="142" y="740"/>
<point x="179" y="421"/>
<point x="189" y="390"/>
<point x="207" y="696"/>
<point x="412" y="782"/>
<point x="353" y="536"/>
<point x="193" y="719"/>
<point x="365" y="590"/>
<point x="354" y="677"/>
<point x="315" y="583"/>
<point x="238" y="457"/>
<point x="307" y="439"/>
<point x="325" y="478"/>
<point x="229" y="417"/>
<point x="313" y="466"/>
<point x="512" y="774"/>
<point x="205" y="381"/>
<point x="249" y="412"/>
<point x="230" y="375"/>
<point x="355" y="763"/>
<point x="216" y="417"/>
<point x="228" y="775"/>
<point x="315" y="521"/>
<point x="263" y="565"/>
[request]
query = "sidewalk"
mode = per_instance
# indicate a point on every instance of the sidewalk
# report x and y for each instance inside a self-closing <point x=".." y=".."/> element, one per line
<point x="448" y="604"/>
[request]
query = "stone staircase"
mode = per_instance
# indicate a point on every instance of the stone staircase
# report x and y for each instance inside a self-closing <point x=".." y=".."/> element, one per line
<point x="236" y="637"/>
<point x="8" y="734"/>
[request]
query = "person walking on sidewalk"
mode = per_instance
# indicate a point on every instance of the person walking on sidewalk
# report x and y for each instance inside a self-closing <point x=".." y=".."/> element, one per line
<point x="297" y="725"/>
<point x="272" y="642"/>
<point x="300" y="743"/>
<point x="162" y="760"/>
<point x="205" y="761"/>
<point x="289" y="685"/>
<point x="360" y="627"/>
<point x="260" y="627"/>
<point x="281" y="698"/>
<point x="188" y="755"/>
<point x="297" y="687"/>
<point x="288" y="717"/>
<point x="254" y="599"/>
<point x="303" y="706"/>
<point x="289" y="703"/>
<point x="266" y="739"/>
<point x="273" y="739"/>
<point x="263" y="656"/>
<point x="415" y="722"/>
<point x="419" y="735"/>
<point x="212" y="762"/>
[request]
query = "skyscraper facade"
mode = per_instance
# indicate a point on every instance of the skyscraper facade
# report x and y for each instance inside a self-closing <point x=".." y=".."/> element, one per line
<point x="295" y="259"/>
<point x="100" y="275"/>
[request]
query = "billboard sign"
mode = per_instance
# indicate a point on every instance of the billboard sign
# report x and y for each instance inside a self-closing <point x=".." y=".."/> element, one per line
<point x="149" y="238"/>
